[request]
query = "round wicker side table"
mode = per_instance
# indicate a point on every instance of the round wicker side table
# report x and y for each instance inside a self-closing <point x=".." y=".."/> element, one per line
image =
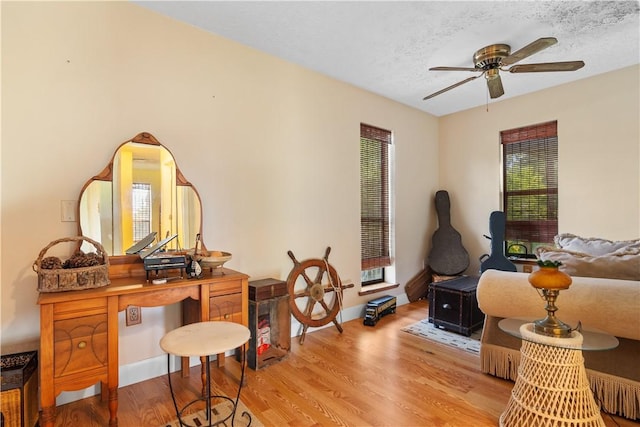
<point x="552" y="388"/>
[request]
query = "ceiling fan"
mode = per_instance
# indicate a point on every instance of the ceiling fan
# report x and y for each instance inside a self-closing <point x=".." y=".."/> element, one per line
<point x="490" y="60"/>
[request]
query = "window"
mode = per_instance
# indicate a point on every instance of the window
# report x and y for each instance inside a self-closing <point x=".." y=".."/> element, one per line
<point x="374" y="203"/>
<point x="530" y="179"/>
<point x="141" y="203"/>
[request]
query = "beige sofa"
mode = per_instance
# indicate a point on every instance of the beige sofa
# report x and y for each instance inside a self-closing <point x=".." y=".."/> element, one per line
<point x="609" y="305"/>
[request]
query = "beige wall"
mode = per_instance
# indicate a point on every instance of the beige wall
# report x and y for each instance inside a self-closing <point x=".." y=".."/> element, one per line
<point x="599" y="157"/>
<point x="272" y="148"/>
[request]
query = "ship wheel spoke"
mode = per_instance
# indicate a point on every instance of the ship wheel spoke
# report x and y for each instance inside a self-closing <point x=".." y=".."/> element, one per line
<point x="329" y="288"/>
<point x="320" y="274"/>
<point x="325" y="306"/>
<point x="306" y="279"/>
<point x="310" y="305"/>
<point x="300" y="294"/>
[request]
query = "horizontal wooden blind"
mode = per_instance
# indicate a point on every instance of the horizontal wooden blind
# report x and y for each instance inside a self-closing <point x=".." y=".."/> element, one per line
<point x="374" y="197"/>
<point x="530" y="158"/>
<point x="141" y="210"/>
<point x="530" y="133"/>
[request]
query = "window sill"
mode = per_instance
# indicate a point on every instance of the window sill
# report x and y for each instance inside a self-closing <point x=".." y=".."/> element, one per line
<point x="378" y="287"/>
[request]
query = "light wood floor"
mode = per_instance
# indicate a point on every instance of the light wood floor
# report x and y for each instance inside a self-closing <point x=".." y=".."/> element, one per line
<point x="366" y="376"/>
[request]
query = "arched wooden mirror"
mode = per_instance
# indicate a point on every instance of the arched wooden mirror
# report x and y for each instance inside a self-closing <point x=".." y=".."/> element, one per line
<point x="139" y="192"/>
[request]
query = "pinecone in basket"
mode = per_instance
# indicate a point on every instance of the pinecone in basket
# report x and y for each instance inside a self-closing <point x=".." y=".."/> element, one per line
<point x="51" y="263"/>
<point x="80" y="259"/>
<point x="95" y="258"/>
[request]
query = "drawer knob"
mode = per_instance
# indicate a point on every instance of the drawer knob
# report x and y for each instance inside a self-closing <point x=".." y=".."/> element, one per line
<point x="446" y="306"/>
<point x="82" y="344"/>
<point x="227" y="316"/>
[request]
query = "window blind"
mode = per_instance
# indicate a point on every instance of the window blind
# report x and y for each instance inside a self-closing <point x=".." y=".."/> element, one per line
<point x="141" y="208"/>
<point x="530" y="159"/>
<point x="374" y="197"/>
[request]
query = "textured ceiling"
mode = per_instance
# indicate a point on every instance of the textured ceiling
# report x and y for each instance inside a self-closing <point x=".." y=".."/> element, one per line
<point x="387" y="47"/>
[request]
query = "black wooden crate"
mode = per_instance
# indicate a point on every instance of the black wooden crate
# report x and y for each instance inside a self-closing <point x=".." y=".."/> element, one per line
<point x="269" y="322"/>
<point x="17" y="369"/>
<point x="19" y="398"/>
<point x="266" y="288"/>
<point x="453" y="305"/>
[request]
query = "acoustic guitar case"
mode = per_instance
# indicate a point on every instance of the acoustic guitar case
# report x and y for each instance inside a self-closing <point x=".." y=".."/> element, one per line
<point x="497" y="260"/>
<point x="448" y="256"/>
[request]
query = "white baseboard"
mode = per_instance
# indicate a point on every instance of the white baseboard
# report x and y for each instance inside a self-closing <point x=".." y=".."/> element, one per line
<point x="156" y="366"/>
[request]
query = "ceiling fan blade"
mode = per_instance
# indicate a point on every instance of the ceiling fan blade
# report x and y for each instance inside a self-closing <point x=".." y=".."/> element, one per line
<point x="450" y="87"/>
<point x="547" y="66"/>
<point x="495" y="87"/>
<point x="530" y="49"/>
<point x="454" y="69"/>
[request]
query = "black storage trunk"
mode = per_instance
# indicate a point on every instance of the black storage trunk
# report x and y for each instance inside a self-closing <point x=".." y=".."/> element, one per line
<point x="269" y="322"/>
<point x="453" y="305"/>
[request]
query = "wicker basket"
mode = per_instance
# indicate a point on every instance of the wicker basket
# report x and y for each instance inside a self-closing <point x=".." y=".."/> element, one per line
<point x="72" y="279"/>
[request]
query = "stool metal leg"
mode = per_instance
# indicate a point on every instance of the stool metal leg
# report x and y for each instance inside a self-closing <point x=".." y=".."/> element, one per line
<point x="173" y="396"/>
<point x="243" y="350"/>
<point x="209" y="416"/>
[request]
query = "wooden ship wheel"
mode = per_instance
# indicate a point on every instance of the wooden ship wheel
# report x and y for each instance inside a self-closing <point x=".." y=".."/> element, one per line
<point x="314" y="302"/>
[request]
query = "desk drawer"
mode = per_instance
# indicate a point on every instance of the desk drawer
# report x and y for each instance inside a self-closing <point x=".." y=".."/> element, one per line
<point x="225" y="288"/>
<point x="80" y="344"/>
<point x="226" y="307"/>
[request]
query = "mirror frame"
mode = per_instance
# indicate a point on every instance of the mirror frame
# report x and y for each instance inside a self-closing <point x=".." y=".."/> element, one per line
<point x="107" y="175"/>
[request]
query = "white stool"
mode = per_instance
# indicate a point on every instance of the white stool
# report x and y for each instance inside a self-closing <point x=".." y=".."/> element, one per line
<point x="203" y="339"/>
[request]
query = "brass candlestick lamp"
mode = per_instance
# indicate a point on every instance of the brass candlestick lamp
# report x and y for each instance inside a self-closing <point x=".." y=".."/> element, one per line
<point x="550" y="280"/>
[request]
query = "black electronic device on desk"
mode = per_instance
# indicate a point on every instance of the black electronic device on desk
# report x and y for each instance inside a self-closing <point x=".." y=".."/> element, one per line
<point x="154" y="260"/>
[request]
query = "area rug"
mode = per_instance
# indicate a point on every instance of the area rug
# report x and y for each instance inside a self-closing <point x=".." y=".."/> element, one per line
<point x="219" y="412"/>
<point x="426" y="330"/>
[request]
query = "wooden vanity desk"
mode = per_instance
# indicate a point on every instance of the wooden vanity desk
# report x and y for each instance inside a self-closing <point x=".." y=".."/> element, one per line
<point x="79" y="329"/>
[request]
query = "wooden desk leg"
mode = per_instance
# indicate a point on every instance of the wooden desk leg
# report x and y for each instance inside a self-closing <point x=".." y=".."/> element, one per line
<point x="104" y="391"/>
<point x="220" y="359"/>
<point x="185" y="367"/>
<point x="48" y="416"/>
<point x="203" y="374"/>
<point x="113" y="407"/>
<point x="113" y="365"/>
<point x="47" y="388"/>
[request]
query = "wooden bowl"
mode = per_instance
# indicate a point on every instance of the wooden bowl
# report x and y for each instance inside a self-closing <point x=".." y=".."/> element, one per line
<point x="212" y="259"/>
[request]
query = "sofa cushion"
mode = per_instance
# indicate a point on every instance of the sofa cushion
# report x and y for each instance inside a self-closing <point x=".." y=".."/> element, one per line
<point x="592" y="245"/>
<point x="621" y="264"/>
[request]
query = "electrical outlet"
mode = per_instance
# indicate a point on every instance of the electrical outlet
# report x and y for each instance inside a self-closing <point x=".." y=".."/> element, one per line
<point x="133" y="315"/>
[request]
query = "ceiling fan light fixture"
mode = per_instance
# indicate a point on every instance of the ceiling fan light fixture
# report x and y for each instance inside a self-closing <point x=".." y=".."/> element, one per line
<point x="491" y="56"/>
<point x="492" y="74"/>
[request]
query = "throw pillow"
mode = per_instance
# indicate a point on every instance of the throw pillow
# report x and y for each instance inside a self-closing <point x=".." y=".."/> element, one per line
<point x="592" y="245"/>
<point x="621" y="264"/>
